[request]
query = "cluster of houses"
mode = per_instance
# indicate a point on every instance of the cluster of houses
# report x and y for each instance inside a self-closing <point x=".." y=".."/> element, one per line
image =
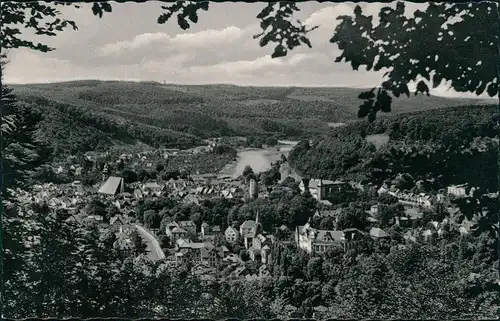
<point x="189" y="191"/>
<point x="314" y="240"/>
<point x="200" y="248"/>
<point x="122" y="226"/>
<point x="67" y="196"/>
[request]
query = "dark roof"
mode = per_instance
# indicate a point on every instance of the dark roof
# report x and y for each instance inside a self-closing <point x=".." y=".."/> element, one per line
<point x="327" y="236"/>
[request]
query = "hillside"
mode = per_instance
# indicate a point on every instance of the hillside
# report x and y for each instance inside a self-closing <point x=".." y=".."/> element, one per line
<point x="447" y="146"/>
<point x="102" y="112"/>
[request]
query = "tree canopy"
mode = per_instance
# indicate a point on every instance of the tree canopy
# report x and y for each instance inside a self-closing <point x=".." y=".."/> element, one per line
<point x="457" y="43"/>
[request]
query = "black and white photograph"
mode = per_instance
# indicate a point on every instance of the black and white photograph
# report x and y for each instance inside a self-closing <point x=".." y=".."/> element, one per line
<point x="250" y="160"/>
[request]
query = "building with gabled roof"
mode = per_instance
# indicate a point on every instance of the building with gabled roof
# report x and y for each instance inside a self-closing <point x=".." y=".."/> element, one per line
<point x="199" y="252"/>
<point x="207" y="230"/>
<point x="322" y="189"/>
<point x="152" y="187"/>
<point x="314" y="240"/>
<point x="247" y="227"/>
<point x="378" y="233"/>
<point x="189" y="226"/>
<point x="232" y="235"/>
<point x="113" y="186"/>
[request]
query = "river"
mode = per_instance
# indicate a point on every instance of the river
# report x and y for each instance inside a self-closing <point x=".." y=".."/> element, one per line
<point x="259" y="160"/>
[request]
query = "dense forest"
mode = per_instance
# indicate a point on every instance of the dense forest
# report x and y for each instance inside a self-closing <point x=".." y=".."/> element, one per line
<point x="447" y="146"/>
<point x="87" y="115"/>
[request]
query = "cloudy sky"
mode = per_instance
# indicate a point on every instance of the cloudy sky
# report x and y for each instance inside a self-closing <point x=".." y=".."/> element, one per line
<point x="128" y="44"/>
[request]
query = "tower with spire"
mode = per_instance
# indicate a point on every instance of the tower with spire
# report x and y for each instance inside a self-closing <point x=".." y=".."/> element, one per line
<point x="257" y="228"/>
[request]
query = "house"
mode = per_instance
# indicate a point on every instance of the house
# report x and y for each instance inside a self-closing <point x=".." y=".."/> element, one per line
<point x="96" y="218"/>
<point x="383" y="189"/>
<point x="123" y="243"/>
<point x="199" y="252"/>
<point x="327" y="213"/>
<point x="211" y="256"/>
<point x="183" y="256"/>
<point x="231" y="234"/>
<point x="248" y="232"/>
<point x="457" y="190"/>
<point x="118" y="221"/>
<point x="175" y="232"/>
<point x="227" y="194"/>
<point x="378" y="233"/>
<point x="256" y="242"/>
<point x="313" y="240"/>
<point x="411" y="199"/>
<point x="178" y="233"/>
<point x="113" y="186"/>
<point x="413" y="214"/>
<point x="246" y="227"/>
<point x="372" y="214"/>
<point x="190" y="198"/>
<point x="189" y="226"/>
<point x="207" y="230"/>
<point x="216" y="230"/>
<point x="261" y="248"/>
<point x="326" y="202"/>
<point x="323" y="189"/>
<point x="152" y="188"/>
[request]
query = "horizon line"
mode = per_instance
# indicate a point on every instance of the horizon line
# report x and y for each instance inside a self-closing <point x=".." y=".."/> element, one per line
<point x="459" y="96"/>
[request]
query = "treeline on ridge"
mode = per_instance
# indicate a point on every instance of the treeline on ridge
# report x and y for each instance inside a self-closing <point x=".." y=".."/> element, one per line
<point x="447" y="146"/>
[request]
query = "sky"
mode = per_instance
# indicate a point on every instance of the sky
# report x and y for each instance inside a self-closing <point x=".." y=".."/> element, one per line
<point x="129" y="44"/>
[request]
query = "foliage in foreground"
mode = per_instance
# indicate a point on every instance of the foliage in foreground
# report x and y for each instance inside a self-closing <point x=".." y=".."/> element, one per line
<point x="66" y="270"/>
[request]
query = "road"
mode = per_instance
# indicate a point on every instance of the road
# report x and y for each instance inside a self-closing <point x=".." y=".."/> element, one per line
<point x="155" y="253"/>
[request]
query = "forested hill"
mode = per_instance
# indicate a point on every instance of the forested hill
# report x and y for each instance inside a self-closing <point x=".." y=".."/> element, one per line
<point x="448" y="146"/>
<point x="81" y="114"/>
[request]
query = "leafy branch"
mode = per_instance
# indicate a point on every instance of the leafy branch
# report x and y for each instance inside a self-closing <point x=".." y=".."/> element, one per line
<point x="276" y="22"/>
<point x="277" y="26"/>
<point x="424" y="49"/>
<point x="33" y="16"/>
<point x="185" y="9"/>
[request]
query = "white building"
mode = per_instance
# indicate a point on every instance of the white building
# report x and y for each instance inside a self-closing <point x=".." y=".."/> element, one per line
<point x="312" y="240"/>
<point x="231" y="234"/>
<point x="457" y="190"/>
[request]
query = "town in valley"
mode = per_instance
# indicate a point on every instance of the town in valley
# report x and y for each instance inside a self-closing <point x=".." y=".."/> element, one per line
<point x="244" y="160"/>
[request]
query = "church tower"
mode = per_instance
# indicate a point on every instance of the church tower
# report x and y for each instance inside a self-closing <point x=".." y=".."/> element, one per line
<point x="257" y="229"/>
